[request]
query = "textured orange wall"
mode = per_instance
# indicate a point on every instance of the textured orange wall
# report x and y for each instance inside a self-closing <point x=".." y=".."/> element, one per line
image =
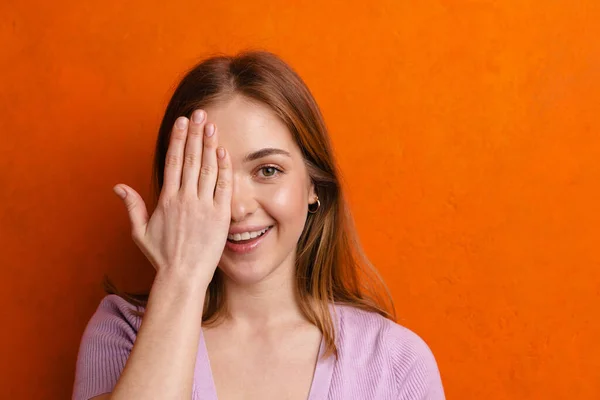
<point x="467" y="132"/>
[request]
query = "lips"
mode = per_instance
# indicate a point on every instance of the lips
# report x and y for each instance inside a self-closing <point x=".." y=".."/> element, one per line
<point x="247" y="246"/>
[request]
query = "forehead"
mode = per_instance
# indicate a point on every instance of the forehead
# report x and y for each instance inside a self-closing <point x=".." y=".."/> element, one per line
<point x="245" y="126"/>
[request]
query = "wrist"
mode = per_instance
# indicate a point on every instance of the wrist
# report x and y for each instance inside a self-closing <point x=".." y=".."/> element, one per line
<point x="182" y="282"/>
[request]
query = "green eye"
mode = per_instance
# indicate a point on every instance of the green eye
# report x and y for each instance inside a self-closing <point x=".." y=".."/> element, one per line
<point x="269" y="171"/>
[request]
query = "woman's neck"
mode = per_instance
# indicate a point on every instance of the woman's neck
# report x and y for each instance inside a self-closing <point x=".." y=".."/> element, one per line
<point x="272" y="301"/>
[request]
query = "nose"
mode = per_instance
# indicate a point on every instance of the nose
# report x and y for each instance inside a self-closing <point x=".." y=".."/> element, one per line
<point x="243" y="201"/>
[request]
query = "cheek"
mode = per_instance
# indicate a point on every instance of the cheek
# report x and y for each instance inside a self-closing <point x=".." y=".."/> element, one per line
<point x="286" y="203"/>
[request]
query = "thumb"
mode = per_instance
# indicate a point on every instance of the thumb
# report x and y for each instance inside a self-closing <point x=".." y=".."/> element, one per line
<point x="136" y="208"/>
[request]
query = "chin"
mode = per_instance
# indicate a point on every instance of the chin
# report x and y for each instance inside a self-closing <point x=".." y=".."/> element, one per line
<point x="245" y="273"/>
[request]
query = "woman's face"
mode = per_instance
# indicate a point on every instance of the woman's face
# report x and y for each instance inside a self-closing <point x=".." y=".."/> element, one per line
<point x="271" y="189"/>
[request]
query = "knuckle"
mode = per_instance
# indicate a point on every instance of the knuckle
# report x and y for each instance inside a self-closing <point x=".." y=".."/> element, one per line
<point x="224" y="165"/>
<point x="172" y="160"/>
<point x="130" y="205"/>
<point x="191" y="159"/>
<point x="164" y="203"/>
<point x="179" y="202"/>
<point x="180" y="135"/>
<point x="206" y="170"/>
<point x="222" y="184"/>
<point x="210" y="143"/>
<point x="196" y="132"/>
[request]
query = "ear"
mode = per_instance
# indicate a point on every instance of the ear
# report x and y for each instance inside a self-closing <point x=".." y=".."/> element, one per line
<point x="312" y="194"/>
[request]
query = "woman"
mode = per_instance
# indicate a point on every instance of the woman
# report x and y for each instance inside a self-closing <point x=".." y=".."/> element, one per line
<point x="261" y="290"/>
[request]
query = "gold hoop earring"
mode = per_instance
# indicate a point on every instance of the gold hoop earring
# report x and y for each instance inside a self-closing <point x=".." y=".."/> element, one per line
<point x="318" y="203"/>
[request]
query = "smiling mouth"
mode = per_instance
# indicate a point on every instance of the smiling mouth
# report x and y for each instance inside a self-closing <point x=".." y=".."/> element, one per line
<point x="243" y="247"/>
<point x="246" y="241"/>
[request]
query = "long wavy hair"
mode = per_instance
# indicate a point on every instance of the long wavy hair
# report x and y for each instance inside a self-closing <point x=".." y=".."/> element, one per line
<point x="331" y="266"/>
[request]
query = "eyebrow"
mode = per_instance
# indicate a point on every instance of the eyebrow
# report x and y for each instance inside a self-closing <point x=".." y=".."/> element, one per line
<point x="265" y="152"/>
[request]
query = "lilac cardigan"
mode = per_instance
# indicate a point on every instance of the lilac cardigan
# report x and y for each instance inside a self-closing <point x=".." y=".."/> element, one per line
<point x="377" y="358"/>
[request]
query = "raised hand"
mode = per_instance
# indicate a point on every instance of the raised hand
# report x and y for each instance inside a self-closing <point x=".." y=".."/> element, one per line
<point x="187" y="232"/>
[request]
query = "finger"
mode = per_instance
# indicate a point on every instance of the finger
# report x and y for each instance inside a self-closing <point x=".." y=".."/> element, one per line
<point x="208" y="171"/>
<point x="174" y="157"/>
<point x="223" y="187"/>
<point x="136" y="209"/>
<point x="193" y="153"/>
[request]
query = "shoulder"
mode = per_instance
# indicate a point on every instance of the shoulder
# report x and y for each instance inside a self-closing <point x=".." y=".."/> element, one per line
<point x="105" y="346"/>
<point x="112" y="305"/>
<point x="389" y="345"/>
<point x="359" y="324"/>
<point x="112" y="328"/>
<point x="115" y="314"/>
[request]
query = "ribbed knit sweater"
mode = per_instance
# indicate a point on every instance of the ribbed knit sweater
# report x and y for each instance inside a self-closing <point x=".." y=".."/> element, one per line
<point x="377" y="358"/>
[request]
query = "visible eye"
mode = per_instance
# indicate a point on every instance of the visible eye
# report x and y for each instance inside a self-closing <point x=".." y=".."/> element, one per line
<point x="270" y="171"/>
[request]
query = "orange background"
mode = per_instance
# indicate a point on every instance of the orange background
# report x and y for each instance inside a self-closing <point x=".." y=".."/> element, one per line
<point x="467" y="132"/>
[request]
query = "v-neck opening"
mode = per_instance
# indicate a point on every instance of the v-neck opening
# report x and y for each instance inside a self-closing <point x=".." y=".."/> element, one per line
<point x="204" y="382"/>
<point x="319" y="387"/>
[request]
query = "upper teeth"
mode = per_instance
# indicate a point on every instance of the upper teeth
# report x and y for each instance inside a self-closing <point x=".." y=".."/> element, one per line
<point x="246" y="235"/>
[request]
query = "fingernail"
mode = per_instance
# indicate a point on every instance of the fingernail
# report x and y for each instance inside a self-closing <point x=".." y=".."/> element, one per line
<point x="209" y="130"/>
<point x="221" y="152"/>
<point x="198" y="116"/>
<point x="120" y="192"/>
<point x="181" y="122"/>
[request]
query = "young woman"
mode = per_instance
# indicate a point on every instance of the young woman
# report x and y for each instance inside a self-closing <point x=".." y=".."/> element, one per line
<point x="261" y="290"/>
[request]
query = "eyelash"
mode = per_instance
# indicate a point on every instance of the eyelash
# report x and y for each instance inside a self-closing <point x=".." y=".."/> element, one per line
<point x="279" y="171"/>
